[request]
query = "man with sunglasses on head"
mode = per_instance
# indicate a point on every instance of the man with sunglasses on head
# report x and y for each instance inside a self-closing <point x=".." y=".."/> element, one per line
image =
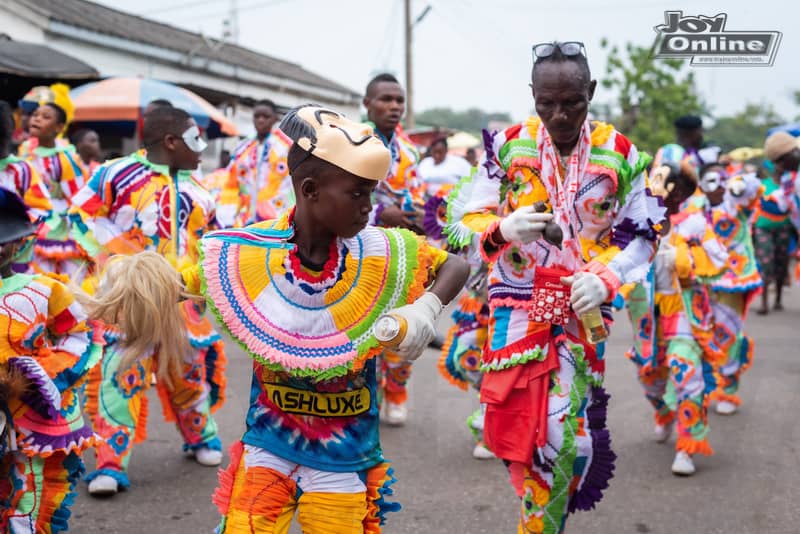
<point x="558" y="204"/>
<point x="150" y="201"/>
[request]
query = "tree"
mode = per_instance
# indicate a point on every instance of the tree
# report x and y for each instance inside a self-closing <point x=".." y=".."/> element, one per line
<point x="746" y="128"/>
<point x="472" y="120"/>
<point x="652" y="93"/>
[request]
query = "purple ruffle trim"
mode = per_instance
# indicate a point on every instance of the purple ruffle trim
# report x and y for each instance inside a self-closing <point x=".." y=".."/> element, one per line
<point x="489" y="154"/>
<point x="43" y="444"/>
<point x="42" y="395"/>
<point x="430" y="222"/>
<point x="601" y="469"/>
<point x="627" y="230"/>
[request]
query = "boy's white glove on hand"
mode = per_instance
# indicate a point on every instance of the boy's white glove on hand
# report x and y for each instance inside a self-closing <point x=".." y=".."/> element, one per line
<point x="421" y="317"/>
<point x="524" y="225"/>
<point x="588" y="291"/>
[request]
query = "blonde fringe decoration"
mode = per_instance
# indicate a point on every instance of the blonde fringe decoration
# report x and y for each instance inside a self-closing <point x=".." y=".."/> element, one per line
<point x="140" y="295"/>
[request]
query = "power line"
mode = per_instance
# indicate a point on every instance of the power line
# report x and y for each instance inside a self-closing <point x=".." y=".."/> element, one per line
<point x="257" y="5"/>
<point x="179" y="6"/>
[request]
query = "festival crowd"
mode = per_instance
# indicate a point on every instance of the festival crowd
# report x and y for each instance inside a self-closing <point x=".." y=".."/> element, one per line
<point x="327" y="249"/>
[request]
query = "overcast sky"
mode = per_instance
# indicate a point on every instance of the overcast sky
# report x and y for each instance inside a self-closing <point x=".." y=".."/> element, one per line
<point x="478" y="52"/>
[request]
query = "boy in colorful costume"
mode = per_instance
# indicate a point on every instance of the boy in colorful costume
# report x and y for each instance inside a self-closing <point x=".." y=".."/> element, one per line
<point x="728" y="203"/>
<point x="27" y="105"/>
<point x="301" y="294"/>
<point x="63" y="174"/>
<point x="543" y="381"/>
<point x="46" y="354"/>
<point x="674" y="370"/>
<point x="152" y="202"/>
<point x="398" y="203"/>
<point x="19" y="177"/>
<point x="258" y="186"/>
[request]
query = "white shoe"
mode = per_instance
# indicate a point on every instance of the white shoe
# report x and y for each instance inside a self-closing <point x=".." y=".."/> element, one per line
<point x="683" y="464"/>
<point x="480" y="452"/>
<point x="103" y="485"/>
<point x="662" y="432"/>
<point x="208" y="457"/>
<point x="726" y="408"/>
<point x="396" y="414"/>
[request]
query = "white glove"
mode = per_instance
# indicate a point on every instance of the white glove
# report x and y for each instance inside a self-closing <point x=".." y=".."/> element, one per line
<point x="737" y="186"/>
<point x="524" y="225"/>
<point x="421" y="317"/>
<point x="588" y="291"/>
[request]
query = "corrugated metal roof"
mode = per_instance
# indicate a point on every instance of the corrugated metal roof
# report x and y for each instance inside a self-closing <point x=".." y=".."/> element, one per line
<point x="105" y="20"/>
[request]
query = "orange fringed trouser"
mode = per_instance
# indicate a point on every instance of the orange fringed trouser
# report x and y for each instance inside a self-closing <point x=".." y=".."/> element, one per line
<point x="116" y="401"/>
<point x="254" y="496"/>
<point x="395" y="374"/>
<point x="36" y="492"/>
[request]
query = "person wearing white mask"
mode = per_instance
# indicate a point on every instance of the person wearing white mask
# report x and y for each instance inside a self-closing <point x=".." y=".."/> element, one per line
<point x="727" y="203"/>
<point x="151" y="201"/>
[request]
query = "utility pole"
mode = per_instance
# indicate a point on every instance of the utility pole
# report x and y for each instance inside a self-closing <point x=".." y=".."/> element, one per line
<point x="234" y="24"/>
<point x="409" y="68"/>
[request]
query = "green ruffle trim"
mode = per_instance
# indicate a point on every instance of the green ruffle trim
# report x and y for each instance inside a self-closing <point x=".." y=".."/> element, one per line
<point x="408" y="241"/>
<point x="565" y="461"/>
<point x="458" y="234"/>
<point x="519" y="358"/>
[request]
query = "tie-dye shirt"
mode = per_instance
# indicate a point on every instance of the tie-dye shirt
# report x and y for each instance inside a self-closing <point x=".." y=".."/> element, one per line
<point x="313" y="395"/>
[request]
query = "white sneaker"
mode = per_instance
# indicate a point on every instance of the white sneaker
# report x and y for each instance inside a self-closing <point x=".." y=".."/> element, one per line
<point x="662" y="432"/>
<point x="396" y="414"/>
<point x="726" y="407"/>
<point x="208" y="457"/>
<point x="480" y="452"/>
<point x="683" y="464"/>
<point x="103" y="485"/>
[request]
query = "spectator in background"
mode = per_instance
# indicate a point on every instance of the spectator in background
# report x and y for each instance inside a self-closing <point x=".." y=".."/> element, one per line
<point x="87" y="143"/>
<point x="773" y="230"/>
<point x="441" y="168"/>
<point x="472" y="157"/>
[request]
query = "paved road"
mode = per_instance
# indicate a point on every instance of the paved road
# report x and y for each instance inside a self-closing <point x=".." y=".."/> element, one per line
<point x="751" y="484"/>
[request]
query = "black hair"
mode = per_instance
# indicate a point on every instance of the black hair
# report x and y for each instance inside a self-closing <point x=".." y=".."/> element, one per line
<point x="380" y="78"/>
<point x="160" y="102"/>
<point x="266" y="102"/>
<point x="6" y="125"/>
<point x="78" y="135"/>
<point x="683" y="176"/>
<point x="61" y="115"/>
<point x="558" y="57"/>
<point x="438" y="141"/>
<point x="688" y="122"/>
<point x="295" y="127"/>
<point x="311" y="164"/>
<point x="706" y="166"/>
<point x="162" y="121"/>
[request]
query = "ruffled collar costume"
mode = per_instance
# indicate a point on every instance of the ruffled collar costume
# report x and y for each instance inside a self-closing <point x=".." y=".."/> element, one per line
<point x="542" y="382"/>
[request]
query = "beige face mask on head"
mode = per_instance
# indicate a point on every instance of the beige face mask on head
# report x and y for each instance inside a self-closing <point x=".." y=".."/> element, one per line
<point x="349" y="145"/>
<point x="658" y="176"/>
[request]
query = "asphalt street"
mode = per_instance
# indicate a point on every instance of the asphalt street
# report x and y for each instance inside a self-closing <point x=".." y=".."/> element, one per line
<point x="750" y="486"/>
